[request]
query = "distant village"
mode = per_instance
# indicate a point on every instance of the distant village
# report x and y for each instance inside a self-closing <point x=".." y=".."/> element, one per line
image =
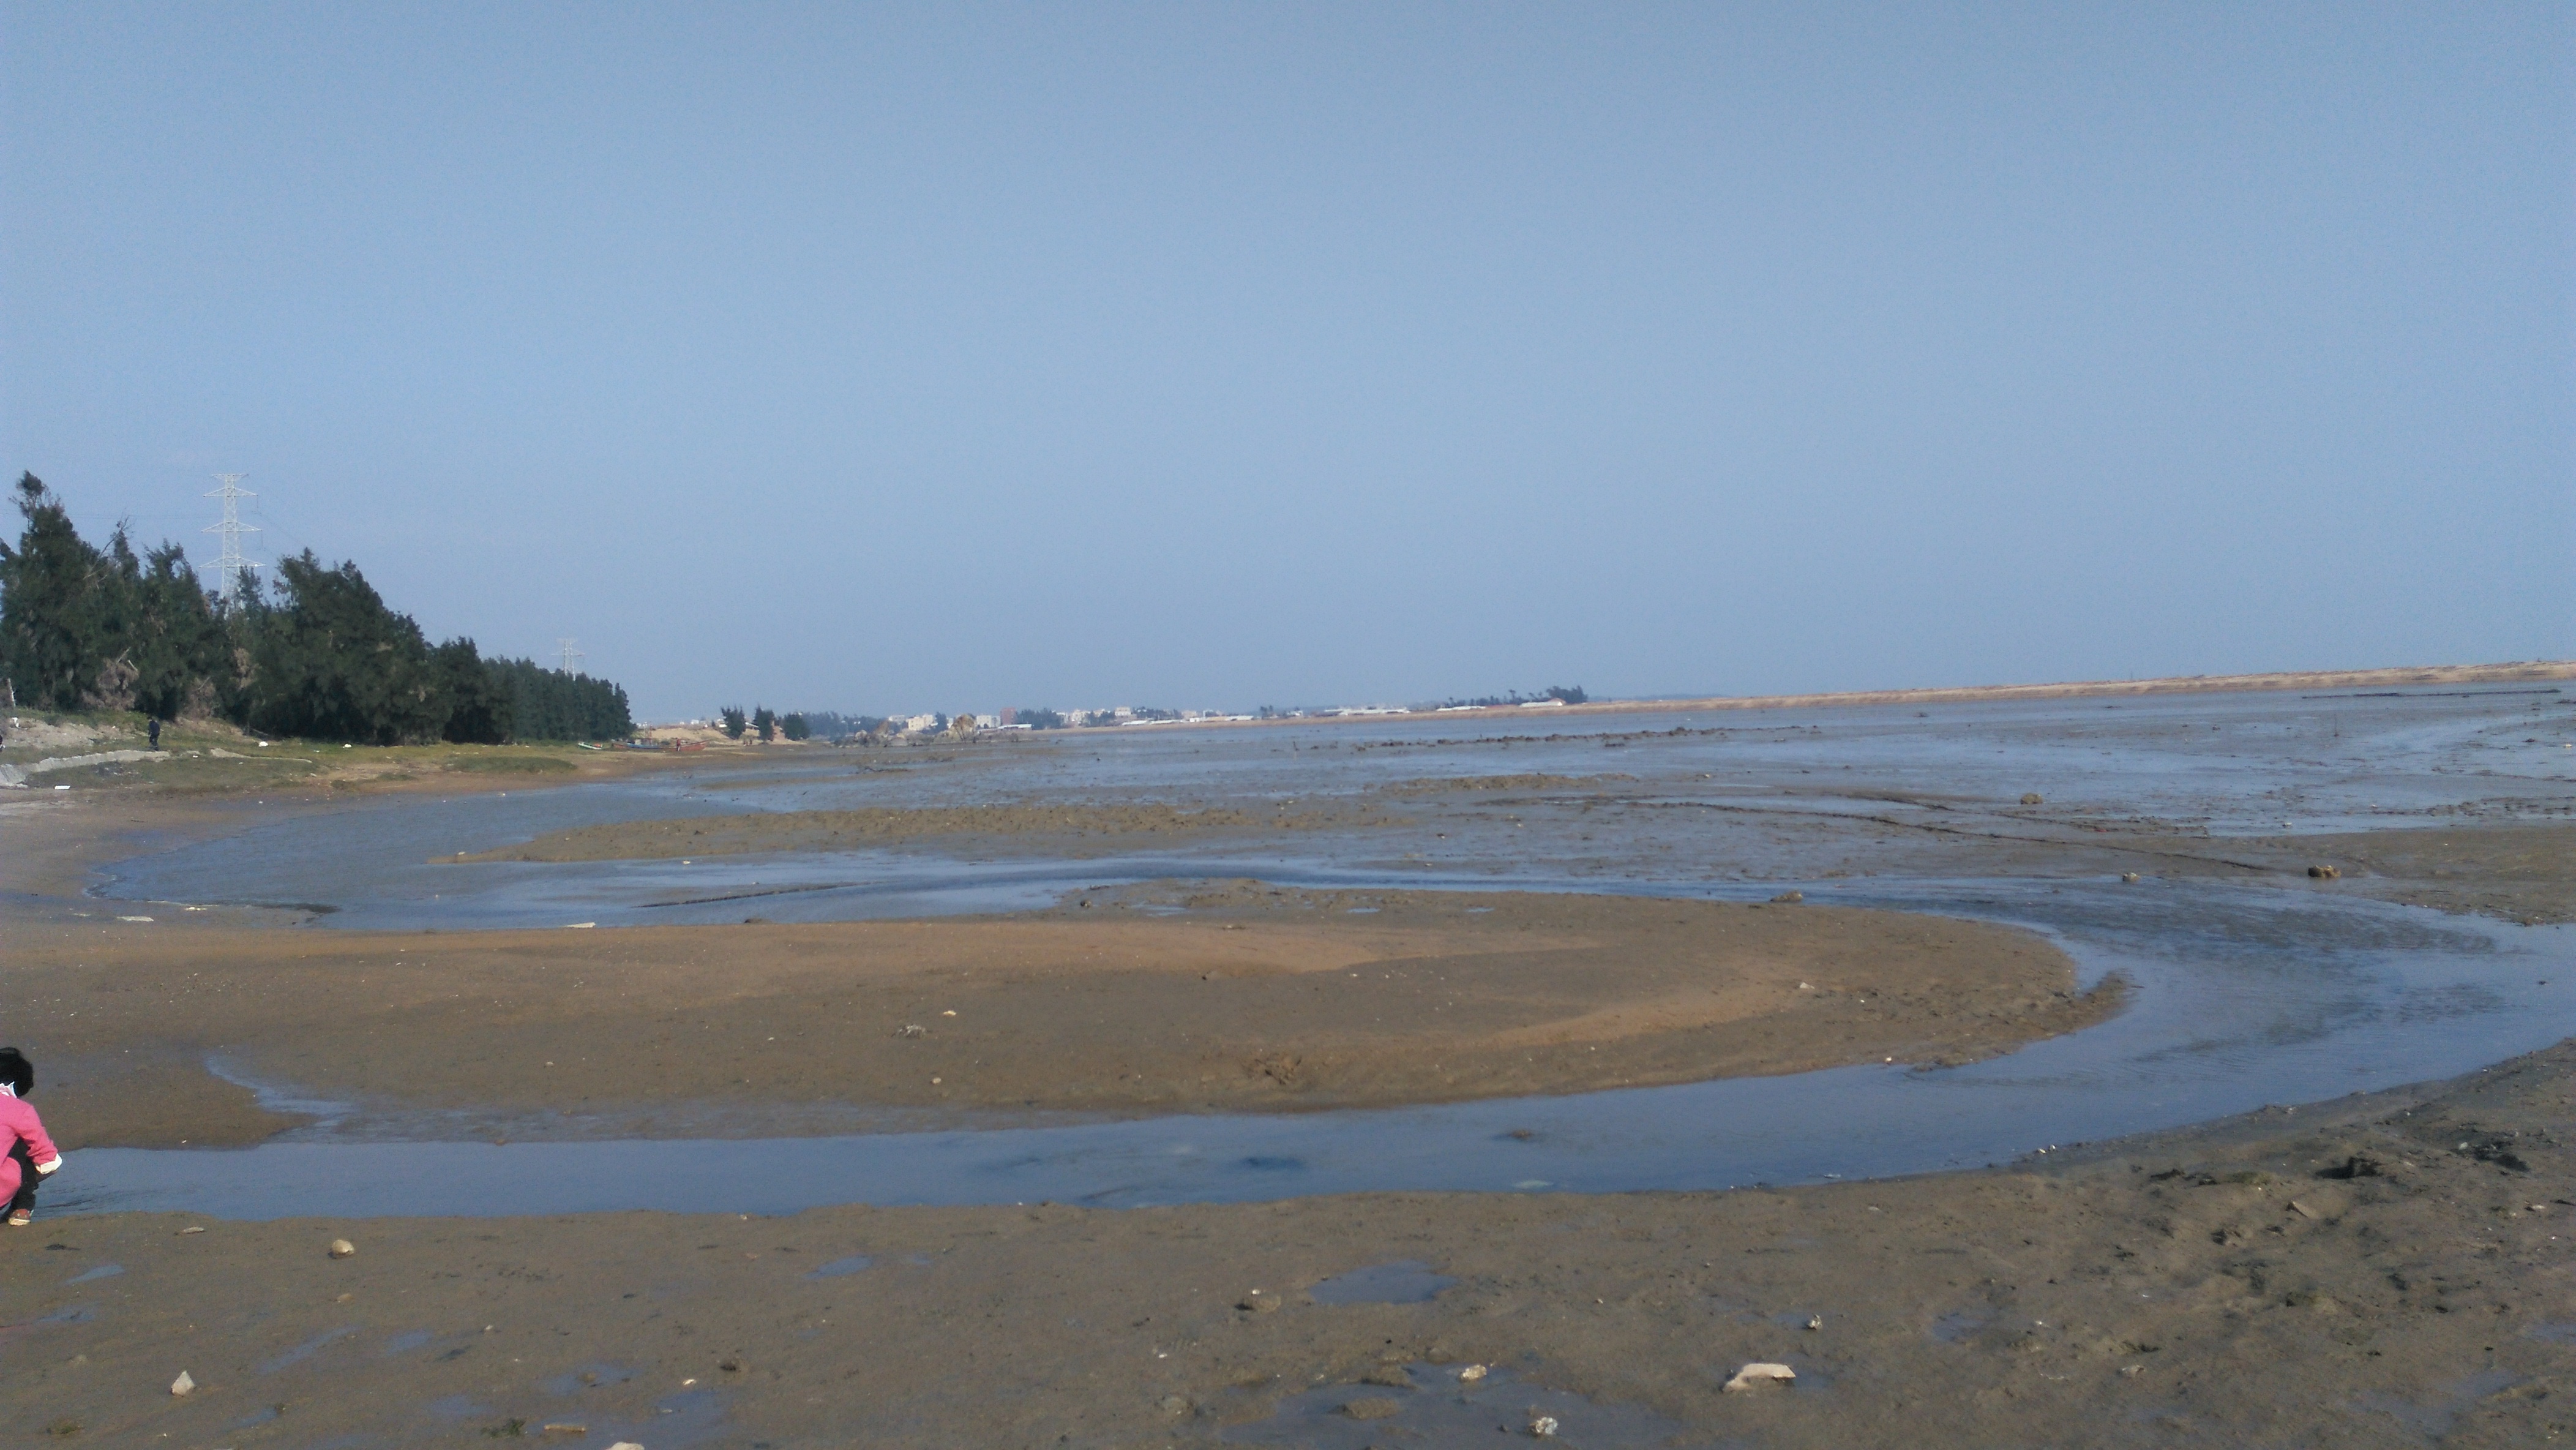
<point x="761" y="726"/>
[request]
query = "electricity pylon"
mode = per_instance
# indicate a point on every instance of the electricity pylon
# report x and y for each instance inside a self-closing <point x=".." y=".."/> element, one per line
<point x="233" y="566"/>
<point x="571" y="656"/>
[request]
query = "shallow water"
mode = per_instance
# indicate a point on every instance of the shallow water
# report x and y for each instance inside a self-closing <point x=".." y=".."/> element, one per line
<point x="1406" y="1281"/>
<point x="2244" y="995"/>
<point x="1781" y="796"/>
<point x="2243" y="998"/>
<point x="1434" y="1409"/>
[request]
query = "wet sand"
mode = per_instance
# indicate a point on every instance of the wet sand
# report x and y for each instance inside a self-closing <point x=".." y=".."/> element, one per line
<point x="1054" y="827"/>
<point x="1248" y="999"/>
<point x="2520" y="872"/>
<point x="2217" y="1286"/>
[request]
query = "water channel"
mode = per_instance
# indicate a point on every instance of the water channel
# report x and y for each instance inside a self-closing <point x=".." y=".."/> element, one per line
<point x="2249" y="990"/>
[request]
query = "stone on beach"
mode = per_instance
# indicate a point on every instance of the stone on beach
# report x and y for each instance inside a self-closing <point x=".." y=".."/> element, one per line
<point x="182" y="1384"/>
<point x="1755" y="1376"/>
<point x="342" y="1248"/>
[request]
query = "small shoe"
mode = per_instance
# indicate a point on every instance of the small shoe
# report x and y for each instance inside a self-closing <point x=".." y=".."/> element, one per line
<point x="21" y="1217"/>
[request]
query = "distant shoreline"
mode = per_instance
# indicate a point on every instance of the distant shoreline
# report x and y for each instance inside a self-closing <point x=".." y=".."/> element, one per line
<point x="2395" y="677"/>
<point x="2517" y="672"/>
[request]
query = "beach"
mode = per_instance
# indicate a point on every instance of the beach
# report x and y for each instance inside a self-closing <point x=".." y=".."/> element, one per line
<point x="2379" y="1268"/>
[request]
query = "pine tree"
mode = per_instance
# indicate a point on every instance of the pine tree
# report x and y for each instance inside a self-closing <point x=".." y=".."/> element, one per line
<point x="57" y="616"/>
<point x="335" y="663"/>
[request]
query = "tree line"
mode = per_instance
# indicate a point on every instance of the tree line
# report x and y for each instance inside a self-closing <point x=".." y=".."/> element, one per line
<point x="764" y="722"/>
<point x="318" y="655"/>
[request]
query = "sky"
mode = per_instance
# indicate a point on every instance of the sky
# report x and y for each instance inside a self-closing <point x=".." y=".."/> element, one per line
<point x="902" y="358"/>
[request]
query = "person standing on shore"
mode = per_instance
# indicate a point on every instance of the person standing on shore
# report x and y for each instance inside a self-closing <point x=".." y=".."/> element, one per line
<point x="32" y="1155"/>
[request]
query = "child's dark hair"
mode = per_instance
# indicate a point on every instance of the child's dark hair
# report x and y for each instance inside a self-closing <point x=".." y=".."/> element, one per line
<point x="17" y="1071"/>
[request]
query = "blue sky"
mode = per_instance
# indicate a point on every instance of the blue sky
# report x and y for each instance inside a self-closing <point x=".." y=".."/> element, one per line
<point x="959" y="357"/>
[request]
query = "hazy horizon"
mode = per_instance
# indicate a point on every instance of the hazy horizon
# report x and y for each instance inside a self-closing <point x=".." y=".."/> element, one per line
<point x="936" y="359"/>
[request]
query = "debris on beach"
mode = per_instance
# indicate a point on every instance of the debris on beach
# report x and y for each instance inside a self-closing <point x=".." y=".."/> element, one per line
<point x="1790" y="898"/>
<point x="1755" y="1376"/>
<point x="1543" y="1426"/>
<point x="2324" y="873"/>
<point x="342" y="1248"/>
<point x="1472" y="1373"/>
<point x="182" y="1384"/>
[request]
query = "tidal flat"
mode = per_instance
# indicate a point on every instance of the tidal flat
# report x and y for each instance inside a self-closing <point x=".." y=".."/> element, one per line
<point x="1599" y="945"/>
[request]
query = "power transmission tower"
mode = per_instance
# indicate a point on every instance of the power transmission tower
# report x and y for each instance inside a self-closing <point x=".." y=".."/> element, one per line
<point x="571" y="656"/>
<point x="233" y="566"/>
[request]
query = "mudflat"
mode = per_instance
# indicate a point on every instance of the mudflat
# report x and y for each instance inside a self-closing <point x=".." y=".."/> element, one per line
<point x="2388" y="1272"/>
<point x="1224" y="997"/>
<point x="1074" y="828"/>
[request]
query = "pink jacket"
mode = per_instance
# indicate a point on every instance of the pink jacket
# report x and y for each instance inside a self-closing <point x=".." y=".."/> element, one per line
<point x="19" y="1122"/>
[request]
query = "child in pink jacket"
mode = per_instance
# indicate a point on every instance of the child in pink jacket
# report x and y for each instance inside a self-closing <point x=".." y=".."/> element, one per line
<point x="32" y="1156"/>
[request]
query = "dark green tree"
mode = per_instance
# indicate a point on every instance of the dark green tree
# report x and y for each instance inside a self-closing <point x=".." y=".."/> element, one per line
<point x="795" y="728"/>
<point x="554" y="705"/>
<point x="733" y="721"/>
<point x="60" y="605"/>
<point x="319" y="654"/>
<point x="333" y="662"/>
<point x="478" y="696"/>
<point x="178" y="646"/>
<point x="765" y="723"/>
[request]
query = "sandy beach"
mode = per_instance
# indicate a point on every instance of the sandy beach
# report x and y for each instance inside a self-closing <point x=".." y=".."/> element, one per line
<point x="1250" y="999"/>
